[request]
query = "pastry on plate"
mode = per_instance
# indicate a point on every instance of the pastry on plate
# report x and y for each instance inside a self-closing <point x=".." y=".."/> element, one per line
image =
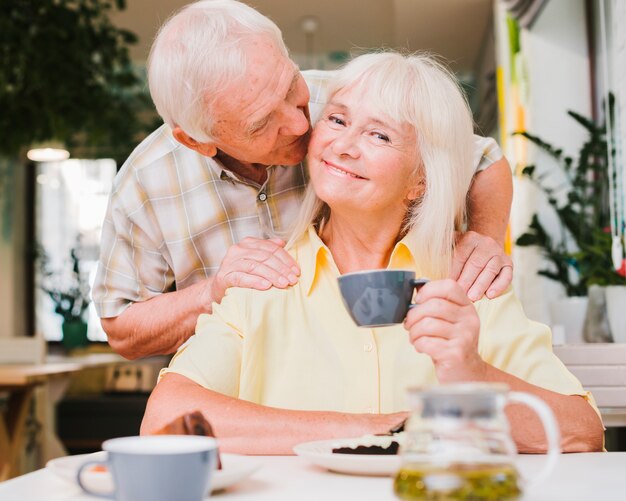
<point x="191" y="423"/>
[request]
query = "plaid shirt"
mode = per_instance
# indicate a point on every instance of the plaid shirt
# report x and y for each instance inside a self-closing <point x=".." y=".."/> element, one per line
<point x="173" y="214"/>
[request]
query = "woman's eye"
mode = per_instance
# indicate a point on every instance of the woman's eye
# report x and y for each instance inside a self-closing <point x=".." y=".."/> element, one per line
<point x="381" y="136"/>
<point x="336" y="120"/>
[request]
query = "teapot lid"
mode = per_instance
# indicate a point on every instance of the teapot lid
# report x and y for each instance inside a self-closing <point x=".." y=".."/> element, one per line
<point x="460" y="389"/>
<point x="462" y="400"/>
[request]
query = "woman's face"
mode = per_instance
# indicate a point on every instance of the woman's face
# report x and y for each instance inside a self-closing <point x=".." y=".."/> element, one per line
<point x="360" y="160"/>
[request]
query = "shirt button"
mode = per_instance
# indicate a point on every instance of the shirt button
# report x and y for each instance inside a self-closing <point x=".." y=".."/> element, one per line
<point x="368" y="347"/>
<point x="262" y="197"/>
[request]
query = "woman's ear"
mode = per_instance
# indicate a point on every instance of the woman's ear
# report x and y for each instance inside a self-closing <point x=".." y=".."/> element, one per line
<point x="417" y="191"/>
<point x="207" y="149"/>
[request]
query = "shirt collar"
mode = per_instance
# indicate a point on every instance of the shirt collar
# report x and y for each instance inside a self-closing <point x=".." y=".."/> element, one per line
<point x="313" y="256"/>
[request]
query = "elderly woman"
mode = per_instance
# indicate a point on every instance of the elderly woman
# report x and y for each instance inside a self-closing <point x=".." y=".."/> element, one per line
<point x="271" y="369"/>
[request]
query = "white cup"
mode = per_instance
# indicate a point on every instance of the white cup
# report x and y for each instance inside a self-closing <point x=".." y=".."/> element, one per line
<point x="157" y="467"/>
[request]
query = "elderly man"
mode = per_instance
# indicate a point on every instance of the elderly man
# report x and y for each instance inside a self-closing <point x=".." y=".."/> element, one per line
<point x="202" y="202"/>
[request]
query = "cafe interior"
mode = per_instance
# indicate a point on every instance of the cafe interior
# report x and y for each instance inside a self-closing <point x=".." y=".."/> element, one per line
<point x="545" y="78"/>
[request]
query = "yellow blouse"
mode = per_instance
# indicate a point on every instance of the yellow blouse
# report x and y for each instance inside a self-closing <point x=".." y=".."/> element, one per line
<point x="298" y="348"/>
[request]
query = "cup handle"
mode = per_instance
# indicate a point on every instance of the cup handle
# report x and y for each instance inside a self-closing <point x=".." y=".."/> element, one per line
<point x="417" y="285"/>
<point x="550" y="426"/>
<point x="107" y="495"/>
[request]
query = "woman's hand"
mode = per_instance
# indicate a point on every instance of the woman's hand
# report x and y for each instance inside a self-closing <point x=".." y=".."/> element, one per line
<point x="445" y="326"/>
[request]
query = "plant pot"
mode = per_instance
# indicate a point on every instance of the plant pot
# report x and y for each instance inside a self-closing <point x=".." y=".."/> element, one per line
<point x="569" y="312"/>
<point x="597" y="328"/>
<point x="616" y="311"/>
<point x="74" y="334"/>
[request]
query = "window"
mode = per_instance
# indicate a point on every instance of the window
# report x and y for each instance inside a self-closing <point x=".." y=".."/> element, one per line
<point x="71" y="200"/>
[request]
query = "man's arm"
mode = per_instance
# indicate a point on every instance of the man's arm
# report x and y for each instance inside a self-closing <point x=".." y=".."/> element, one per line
<point x="489" y="204"/>
<point x="247" y="428"/>
<point x="161" y="324"/>
<point x="480" y="264"/>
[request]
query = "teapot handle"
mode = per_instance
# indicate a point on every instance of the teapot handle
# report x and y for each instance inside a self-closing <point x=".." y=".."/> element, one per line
<point x="550" y="426"/>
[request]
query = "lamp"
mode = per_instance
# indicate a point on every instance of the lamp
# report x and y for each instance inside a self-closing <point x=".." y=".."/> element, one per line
<point x="309" y="26"/>
<point x="48" y="151"/>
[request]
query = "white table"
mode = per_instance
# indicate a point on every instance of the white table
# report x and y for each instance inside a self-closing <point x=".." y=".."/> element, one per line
<point x="599" y="476"/>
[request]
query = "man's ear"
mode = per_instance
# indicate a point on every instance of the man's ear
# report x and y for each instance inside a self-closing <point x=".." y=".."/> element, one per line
<point x="207" y="149"/>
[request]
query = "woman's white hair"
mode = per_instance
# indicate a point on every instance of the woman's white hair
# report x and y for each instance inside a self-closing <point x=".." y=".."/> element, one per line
<point x="196" y="54"/>
<point x="418" y="90"/>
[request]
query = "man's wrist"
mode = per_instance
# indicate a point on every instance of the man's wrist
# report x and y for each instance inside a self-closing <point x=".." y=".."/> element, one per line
<point x="495" y="233"/>
<point x="206" y="295"/>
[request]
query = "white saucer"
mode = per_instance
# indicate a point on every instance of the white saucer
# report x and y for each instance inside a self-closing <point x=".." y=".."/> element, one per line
<point x="321" y="454"/>
<point x="234" y="469"/>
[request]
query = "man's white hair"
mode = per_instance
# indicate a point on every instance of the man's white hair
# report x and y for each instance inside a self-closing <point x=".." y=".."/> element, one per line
<point x="196" y="54"/>
<point x="418" y="90"/>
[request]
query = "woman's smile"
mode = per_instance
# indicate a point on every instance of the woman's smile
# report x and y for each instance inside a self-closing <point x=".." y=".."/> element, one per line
<point x="341" y="171"/>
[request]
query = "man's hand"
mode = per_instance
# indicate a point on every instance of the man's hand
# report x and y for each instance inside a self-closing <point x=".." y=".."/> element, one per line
<point x="480" y="265"/>
<point x="445" y="326"/>
<point x="255" y="263"/>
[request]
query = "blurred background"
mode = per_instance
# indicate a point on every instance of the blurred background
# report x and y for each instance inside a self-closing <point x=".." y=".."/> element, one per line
<point x="72" y="83"/>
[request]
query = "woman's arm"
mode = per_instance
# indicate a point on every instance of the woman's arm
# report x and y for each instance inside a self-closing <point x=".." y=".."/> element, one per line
<point x="247" y="428"/>
<point x="581" y="428"/>
<point x="445" y="326"/>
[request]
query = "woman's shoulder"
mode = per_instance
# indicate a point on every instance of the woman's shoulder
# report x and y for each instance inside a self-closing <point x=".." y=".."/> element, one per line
<point x="240" y="302"/>
<point x="506" y="304"/>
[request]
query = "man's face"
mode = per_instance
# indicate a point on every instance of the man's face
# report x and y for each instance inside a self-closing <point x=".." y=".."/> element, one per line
<point x="264" y="117"/>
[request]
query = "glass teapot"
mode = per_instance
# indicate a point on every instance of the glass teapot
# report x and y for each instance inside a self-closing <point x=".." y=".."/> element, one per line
<point x="458" y="445"/>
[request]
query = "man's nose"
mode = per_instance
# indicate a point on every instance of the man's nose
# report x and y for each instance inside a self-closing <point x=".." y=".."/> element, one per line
<point x="296" y="121"/>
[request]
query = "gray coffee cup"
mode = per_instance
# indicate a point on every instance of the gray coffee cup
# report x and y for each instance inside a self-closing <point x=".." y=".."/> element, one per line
<point x="157" y="467"/>
<point x="376" y="298"/>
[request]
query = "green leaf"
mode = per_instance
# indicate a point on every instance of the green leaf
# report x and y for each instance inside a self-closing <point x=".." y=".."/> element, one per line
<point x="65" y="74"/>
<point x="547" y="147"/>
<point x="585" y="217"/>
<point x="527" y="239"/>
<point x="585" y="122"/>
<point x="549" y="274"/>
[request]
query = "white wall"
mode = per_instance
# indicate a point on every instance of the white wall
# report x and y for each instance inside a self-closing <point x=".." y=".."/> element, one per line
<point x="557" y="69"/>
<point x="619" y="74"/>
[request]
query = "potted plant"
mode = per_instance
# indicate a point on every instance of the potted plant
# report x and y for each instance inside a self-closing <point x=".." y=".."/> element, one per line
<point x="69" y="291"/>
<point x="581" y="255"/>
<point x="66" y="76"/>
